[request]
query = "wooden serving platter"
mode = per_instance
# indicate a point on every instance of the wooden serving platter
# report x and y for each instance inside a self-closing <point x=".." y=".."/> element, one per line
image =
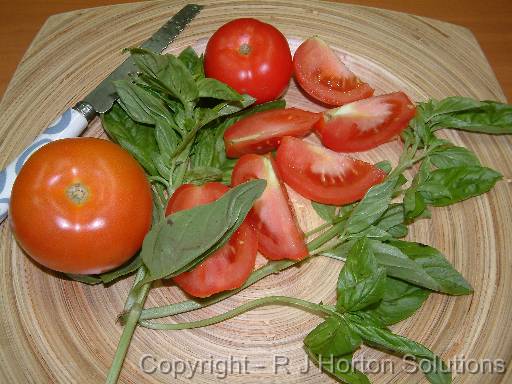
<point x="53" y="330"/>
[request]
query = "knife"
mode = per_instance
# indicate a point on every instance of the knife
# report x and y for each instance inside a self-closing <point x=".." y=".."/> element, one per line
<point x="74" y="120"/>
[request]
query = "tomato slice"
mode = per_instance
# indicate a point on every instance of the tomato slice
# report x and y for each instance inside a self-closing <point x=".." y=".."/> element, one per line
<point x="365" y="124"/>
<point x="279" y="235"/>
<point x="230" y="266"/>
<point x="263" y="131"/>
<point x="322" y="175"/>
<point x="321" y="73"/>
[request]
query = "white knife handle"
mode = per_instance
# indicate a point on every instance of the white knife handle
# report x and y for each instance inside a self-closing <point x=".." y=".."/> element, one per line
<point x="70" y="124"/>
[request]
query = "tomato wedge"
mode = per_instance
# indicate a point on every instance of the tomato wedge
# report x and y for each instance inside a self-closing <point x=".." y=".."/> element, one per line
<point x="230" y="266"/>
<point x="322" y="175"/>
<point x="365" y="124"/>
<point x="321" y="73"/>
<point x="263" y="131"/>
<point x="279" y="236"/>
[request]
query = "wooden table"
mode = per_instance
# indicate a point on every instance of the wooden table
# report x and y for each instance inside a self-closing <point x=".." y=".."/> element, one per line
<point x="490" y="21"/>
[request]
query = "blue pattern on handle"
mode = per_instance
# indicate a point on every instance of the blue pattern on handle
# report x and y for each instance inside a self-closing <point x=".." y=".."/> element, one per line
<point x="3" y="177"/>
<point x="4" y="200"/>
<point x="61" y="125"/>
<point x="27" y="152"/>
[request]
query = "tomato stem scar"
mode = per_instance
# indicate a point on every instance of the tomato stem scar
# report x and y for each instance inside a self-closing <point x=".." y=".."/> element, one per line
<point x="78" y="193"/>
<point x="245" y="49"/>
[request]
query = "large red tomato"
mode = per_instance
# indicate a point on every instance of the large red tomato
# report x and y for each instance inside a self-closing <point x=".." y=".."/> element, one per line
<point x="227" y="268"/>
<point x="262" y="132"/>
<point x="365" y="124"/>
<point x="323" y="175"/>
<point x="279" y="235"/>
<point x="81" y="206"/>
<point x="322" y="74"/>
<point x="252" y="57"/>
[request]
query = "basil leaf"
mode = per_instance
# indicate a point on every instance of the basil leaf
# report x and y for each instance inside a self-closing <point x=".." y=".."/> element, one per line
<point x="326" y="212"/>
<point x="213" y="88"/>
<point x="136" y="138"/>
<point x="148" y="62"/>
<point x="178" y="80"/>
<point x="400" y="301"/>
<point x="340" y="368"/>
<point x="184" y="239"/>
<point x="414" y="204"/>
<point x="435" y="264"/>
<point x="435" y="371"/>
<point x="372" y="206"/>
<point x="400" y="266"/>
<point x="449" y="105"/>
<point x="398" y="231"/>
<point x="193" y="62"/>
<point x="127" y="269"/>
<point x="333" y="337"/>
<point x="392" y="216"/>
<point x="166" y="138"/>
<point x="361" y="280"/>
<point x="490" y="117"/>
<point x="86" y="279"/>
<point x="141" y="105"/>
<point x="384" y="165"/>
<point x="450" y="185"/>
<point x="453" y="157"/>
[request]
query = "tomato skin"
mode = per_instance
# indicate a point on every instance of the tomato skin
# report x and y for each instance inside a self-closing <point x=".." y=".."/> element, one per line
<point x="321" y="73"/>
<point x="95" y="235"/>
<point x="279" y="235"/>
<point x="365" y="124"/>
<point x="230" y="266"/>
<point x="262" y="132"/>
<point x="250" y="56"/>
<point x="324" y="176"/>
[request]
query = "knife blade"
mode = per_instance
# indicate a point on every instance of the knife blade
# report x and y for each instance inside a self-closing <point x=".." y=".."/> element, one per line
<point x="74" y="120"/>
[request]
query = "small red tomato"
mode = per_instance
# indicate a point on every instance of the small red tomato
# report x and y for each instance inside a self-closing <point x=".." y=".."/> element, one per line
<point x="230" y="266"/>
<point x="81" y="206"/>
<point x="365" y="124"/>
<point x="321" y="73"/>
<point x="322" y="175"/>
<point x="263" y="131"/>
<point x="279" y="235"/>
<point x="250" y="56"/>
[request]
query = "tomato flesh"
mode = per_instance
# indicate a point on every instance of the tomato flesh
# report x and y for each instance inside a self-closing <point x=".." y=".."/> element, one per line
<point x="262" y="132"/>
<point x="321" y="73"/>
<point x="322" y="175"/>
<point x="230" y="266"/>
<point x="81" y="206"/>
<point x="365" y="124"/>
<point x="250" y="56"/>
<point x="279" y="236"/>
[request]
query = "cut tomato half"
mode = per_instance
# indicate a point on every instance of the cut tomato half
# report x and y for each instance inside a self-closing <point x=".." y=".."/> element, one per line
<point x="365" y="124"/>
<point x="279" y="236"/>
<point x="321" y="73"/>
<point x="230" y="266"/>
<point x="322" y="175"/>
<point x="263" y="131"/>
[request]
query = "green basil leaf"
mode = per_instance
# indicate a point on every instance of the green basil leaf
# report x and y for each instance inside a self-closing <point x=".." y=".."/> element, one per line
<point x="398" y="231"/>
<point x="372" y="206"/>
<point x="148" y="62"/>
<point x="449" y="106"/>
<point x="333" y="337"/>
<point x="450" y="185"/>
<point x="141" y="105"/>
<point x="453" y="157"/>
<point x="213" y="88"/>
<point x="193" y="62"/>
<point x="400" y="266"/>
<point x="435" y="264"/>
<point x="178" y="80"/>
<point x="201" y="175"/>
<point x="490" y="117"/>
<point x="136" y="138"/>
<point x="392" y="216"/>
<point x="127" y="269"/>
<point x="436" y="372"/>
<point x="361" y="280"/>
<point x="414" y="204"/>
<point x="86" y="279"/>
<point x="384" y="165"/>
<point x="185" y="238"/>
<point x="400" y="301"/>
<point x="326" y="212"/>
<point x="166" y="138"/>
<point x="340" y="368"/>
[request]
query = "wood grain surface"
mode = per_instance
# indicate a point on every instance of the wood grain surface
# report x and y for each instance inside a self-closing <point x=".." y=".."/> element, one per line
<point x="490" y="22"/>
<point x="56" y="331"/>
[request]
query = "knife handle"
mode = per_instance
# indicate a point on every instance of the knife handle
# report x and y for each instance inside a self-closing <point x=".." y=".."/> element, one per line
<point x="70" y="124"/>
